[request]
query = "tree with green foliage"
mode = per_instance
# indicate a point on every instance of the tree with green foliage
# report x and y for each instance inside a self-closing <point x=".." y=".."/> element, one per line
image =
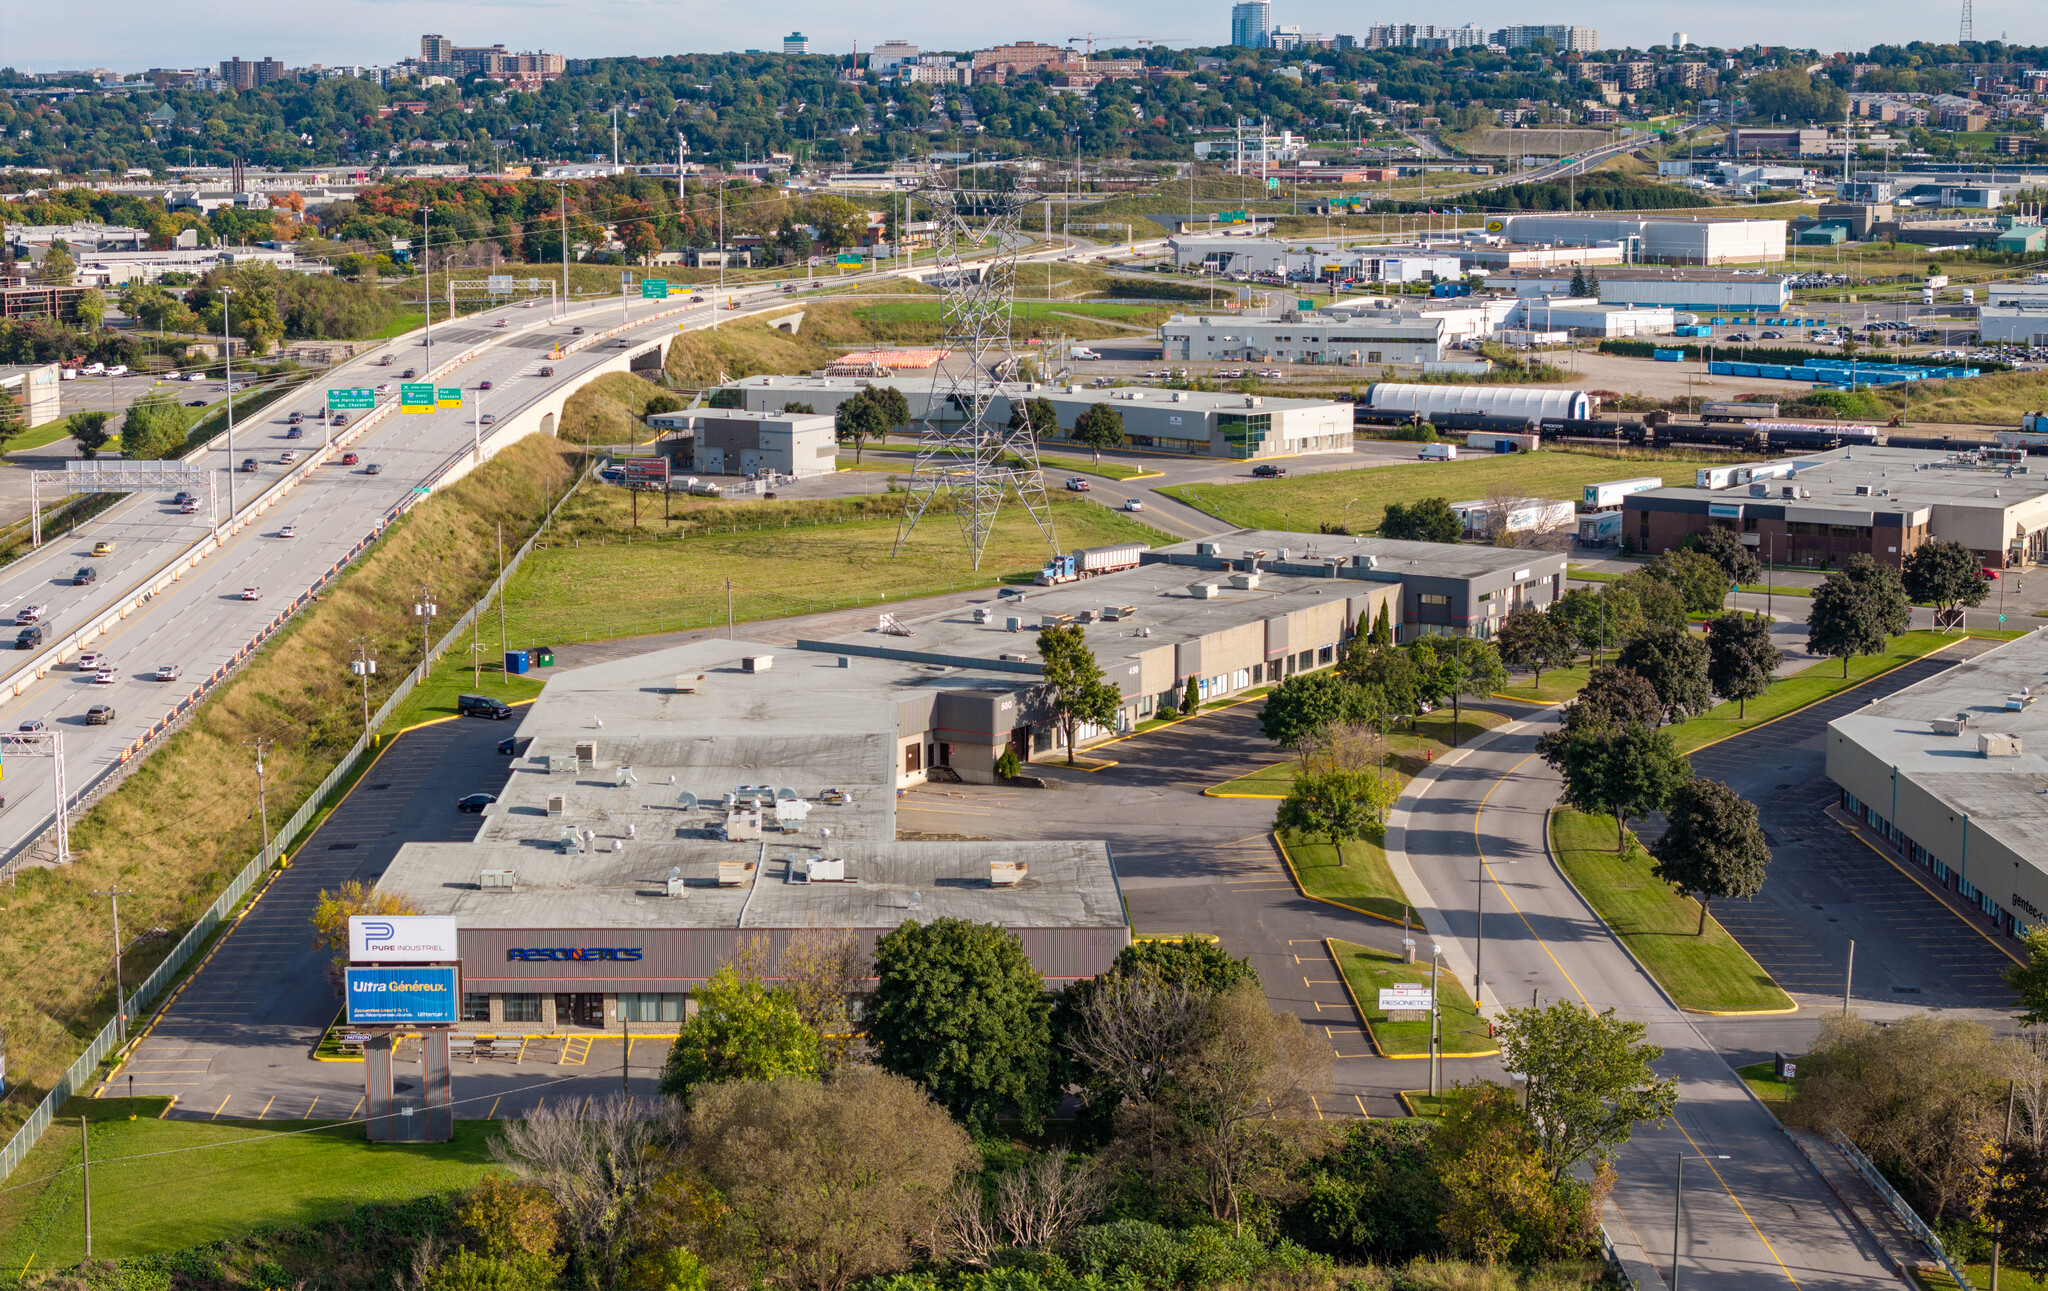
<point x="1383" y="627"/>
<point x="1741" y="658"/>
<point x="1658" y="603"/>
<point x="1037" y="414"/>
<point x="1456" y="668"/>
<point x="1529" y="638"/>
<point x="1339" y="806"/>
<point x="1725" y="548"/>
<point x="59" y="266"/>
<point x="1098" y="427"/>
<point x="1386" y="679"/>
<point x="1796" y="96"/>
<point x="1612" y="698"/>
<point x="959" y="1007"/>
<point x="1192" y="960"/>
<point x="1191" y="697"/>
<point x="1590" y="1079"/>
<point x="2017" y="1206"/>
<point x="794" y="405"/>
<point x="1631" y="771"/>
<point x="1577" y="288"/>
<point x="1430" y="520"/>
<point x="1306" y="704"/>
<point x="1500" y="1200"/>
<point x="1675" y="663"/>
<point x="1701" y="582"/>
<point x="1946" y="574"/>
<point x="1592" y="282"/>
<point x="743" y="1029"/>
<point x="2029" y="980"/>
<point x="1075" y="689"/>
<point x="89" y="431"/>
<point x="92" y="308"/>
<point x="869" y="414"/>
<point x="1712" y="845"/>
<point x="1375" y="1196"/>
<point x="155" y="428"/>
<point x="1856" y="609"/>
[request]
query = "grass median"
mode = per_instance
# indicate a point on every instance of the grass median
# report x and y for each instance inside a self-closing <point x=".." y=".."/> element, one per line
<point x="1462" y="1032"/>
<point x="1706" y="972"/>
<point x="232" y="1177"/>
<point x="1812" y="684"/>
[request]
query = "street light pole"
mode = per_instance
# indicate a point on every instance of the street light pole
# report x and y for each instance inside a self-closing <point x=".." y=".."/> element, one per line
<point x="120" y="992"/>
<point x="262" y="801"/>
<point x="363" y="666"/>
<point x="424" y="610"/>
<point x="227" y="349"/>
<point x="1435" y="1015"/>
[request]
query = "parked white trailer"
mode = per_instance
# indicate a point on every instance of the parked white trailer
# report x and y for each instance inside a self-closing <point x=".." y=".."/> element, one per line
<point x="1602" y="497"/>
<point x="1601" y="529"/>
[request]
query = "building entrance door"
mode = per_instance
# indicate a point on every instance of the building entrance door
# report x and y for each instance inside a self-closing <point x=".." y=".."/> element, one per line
<point x="579" y="1010"/>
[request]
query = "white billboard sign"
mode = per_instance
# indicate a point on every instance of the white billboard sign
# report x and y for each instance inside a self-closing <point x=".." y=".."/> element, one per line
<point x="401" y="939"/>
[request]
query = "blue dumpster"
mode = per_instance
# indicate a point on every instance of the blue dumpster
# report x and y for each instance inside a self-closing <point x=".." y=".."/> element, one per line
<point x="515" y="661"/>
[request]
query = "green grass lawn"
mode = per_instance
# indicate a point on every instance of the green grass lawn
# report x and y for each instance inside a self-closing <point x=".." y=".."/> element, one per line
<point x="1420" y="1102"/>
<point x="1462" y="1030"/>
<point x="1359" y="498"/>
<point x="225" y="1179"/>
<point x="1559" y="684"/>
<point x="1362" y="880"/>
<point x="45" y="435"/>
<point x="1580" y="574"/>
<point x="1812" y="684"/>
<point x="454" y="676"/>
<point x="673" y="584"/>
<point x="1408" y="751"/>
<point x="1113" y="470"/>
<point x="1762" y="1079"/>
<point x="1709" y="972"/>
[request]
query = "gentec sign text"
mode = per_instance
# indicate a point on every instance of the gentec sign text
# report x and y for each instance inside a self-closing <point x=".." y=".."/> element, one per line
<point x="580" y="954"/>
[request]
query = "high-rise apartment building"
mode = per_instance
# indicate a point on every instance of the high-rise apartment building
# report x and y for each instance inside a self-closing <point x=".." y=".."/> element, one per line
<point x="239" y="74"/>
<point x="1251" y="24"/>
<point x="796" y="43"/>
<point x="891" y="54"/>
<point x="437" y="49"/>
<point x="1401" y="35"/>
<point x="1569" y="40"/>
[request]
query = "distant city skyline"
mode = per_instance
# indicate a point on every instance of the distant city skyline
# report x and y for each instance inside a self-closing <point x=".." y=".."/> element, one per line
<point x="127" y="35"/>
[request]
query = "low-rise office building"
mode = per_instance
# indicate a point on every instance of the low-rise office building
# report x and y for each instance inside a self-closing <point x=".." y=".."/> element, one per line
<point x="35" y="391"/>
<point x="1652" y="238"/>
<point x="1204" y="423"/>
<point x="1676" y="288"/>
<point x="1879" y="502"/>
<point x="1340" y="334"/>
<point x="1948" y="774"/>
<point x="736" y="442"/>
<point x="2013" y="324"/>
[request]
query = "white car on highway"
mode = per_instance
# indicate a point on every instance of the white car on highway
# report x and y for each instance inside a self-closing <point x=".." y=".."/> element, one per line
<point x="252" y="593"/>
<point x="289" y="531"/>
<point x="105" y="677"/>
<point x="92" y="661"/>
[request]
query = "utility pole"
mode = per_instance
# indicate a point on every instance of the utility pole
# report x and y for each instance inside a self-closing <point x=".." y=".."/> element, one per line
<point x="728" y="609"/>
<point x="562" y="196"/>
<point x="1435" y="1013"/>
<point x="85" y="1152"/>
<point x="227" y="349"/>
<point x="364" y="667"/>
<point x="424" y="610"/>
<point x="120" y="992"/>
<point x="427" y="289"/>
<point x="503" y="649"/>
<point x="262" y="802"/>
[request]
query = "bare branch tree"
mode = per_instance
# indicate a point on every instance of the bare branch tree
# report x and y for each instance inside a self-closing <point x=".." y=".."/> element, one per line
<point x="597" y="1160"/>
<point x="1040" y="1204"/>
<point x="1134" y="1030"/>
<point x="966" y="1231"/>
<point x="823" y="969"/>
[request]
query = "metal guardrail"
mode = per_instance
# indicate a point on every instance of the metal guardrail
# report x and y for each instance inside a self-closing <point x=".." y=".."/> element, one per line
<point x="1899" y="1205"/>
<point x="80" y="1072"/>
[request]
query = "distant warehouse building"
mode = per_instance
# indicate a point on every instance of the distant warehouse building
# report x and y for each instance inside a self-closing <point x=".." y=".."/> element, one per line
<point x="1877" y="502"/>
<point x="1948" y="774"/>
<point x="1205" y="423"/>
<point x="1706" y="289"/>
<point x="733" y="442"/>
<point x="34" y="391"/>
<point x="1651" y="238"/>
<point x="2013" y="324"/>
<point x="1350" y="337"/>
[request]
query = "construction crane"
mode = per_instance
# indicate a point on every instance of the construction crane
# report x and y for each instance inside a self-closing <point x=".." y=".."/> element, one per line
<point x="1090" y="39"/>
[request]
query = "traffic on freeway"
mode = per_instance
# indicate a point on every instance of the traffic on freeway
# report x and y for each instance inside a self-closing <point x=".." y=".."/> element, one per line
<point x="199" y="624"/>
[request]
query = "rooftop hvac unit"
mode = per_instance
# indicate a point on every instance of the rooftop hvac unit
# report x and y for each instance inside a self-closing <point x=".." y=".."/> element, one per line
<point x="1010" y="657"/>
<point x="2021" y="702"/>
<point x="586" y="753"/>
<point x="732" y="874"/>
<point x="1948" y="725"/>
<point x="556" y="804"/>
<point x="1998" y="746"/>
<point x="1204" y="591"/>
<point x="757" y="662"/>
<point x="1759" y="490"/>
<point x="1863" y="490"/>
<point x="791" y="811"/>
<point x="688" y="684"/>
<point x="687" y="800"/>
<point x="982" y="614"/>
<point x="1115" y="612"/>
<point x="1205" y="549"/>
<point x="1013" y="624"/>
<point x="1245" y="582"/>
<point x="1006" y="874"/>
<point x="825" y="869"/>
<point x="502" y="880"/>
<point x="675" y="881"/>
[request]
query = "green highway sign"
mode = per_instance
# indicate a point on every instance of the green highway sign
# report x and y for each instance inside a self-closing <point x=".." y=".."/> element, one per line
<point x="1230" y="217"/>
<point x="849" y="257"/>
<point x="417" y="488"/>
<point x="654" y="289"/>
<point x="350" y="400"/>
<point x="450" y="397"/>
<point x="1304" y="304"/>
<point x="1272" y="183"/>
<point x="416" y="397"/>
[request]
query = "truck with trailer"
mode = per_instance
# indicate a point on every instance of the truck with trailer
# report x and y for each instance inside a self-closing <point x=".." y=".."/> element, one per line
<point x="1087" y="562"/>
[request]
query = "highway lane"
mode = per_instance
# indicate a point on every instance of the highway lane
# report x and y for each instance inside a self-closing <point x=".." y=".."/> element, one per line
<point x="201" y="622"/>
<point x="1760" y="1218"/>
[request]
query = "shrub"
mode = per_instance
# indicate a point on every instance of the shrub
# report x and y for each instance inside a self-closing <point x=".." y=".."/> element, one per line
<point x="1007" y="765"/>
<point x="1132" y="1246"/>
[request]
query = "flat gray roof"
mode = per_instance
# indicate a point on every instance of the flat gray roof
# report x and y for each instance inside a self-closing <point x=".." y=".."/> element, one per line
<point x="1392" y="557"/>
<point x="1153" y="396"/>
<point x="2002" y="795"/>
<point x="1914" y="477"/>
<point x="1617" y="273"/>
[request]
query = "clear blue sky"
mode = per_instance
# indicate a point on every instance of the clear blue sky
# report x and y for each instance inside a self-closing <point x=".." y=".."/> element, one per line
<point x="136" y="34"/>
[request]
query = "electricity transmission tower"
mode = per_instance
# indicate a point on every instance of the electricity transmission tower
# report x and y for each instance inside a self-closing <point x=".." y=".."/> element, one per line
<point x="965" y="460"/>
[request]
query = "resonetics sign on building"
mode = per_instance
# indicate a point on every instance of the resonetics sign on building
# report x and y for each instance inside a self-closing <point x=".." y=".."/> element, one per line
<point x="410" y="996"/>
<point x="573" y="954"/>
<point x="401" y="939"/>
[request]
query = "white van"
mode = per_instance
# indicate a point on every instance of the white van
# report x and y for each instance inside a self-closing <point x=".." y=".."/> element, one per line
<point x="1438" y="453"/>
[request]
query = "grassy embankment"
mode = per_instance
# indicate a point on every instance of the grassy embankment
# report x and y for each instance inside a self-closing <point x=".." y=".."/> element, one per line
<point x="232" y="1178"/>
<point x="1461" y="1031"/>
<point x="1357" y="499"/>
<point x="1358" y="876"/>
<point x="1705" y="972"/>
<point x="186" y="821"/>
<point x="610" y="410"/>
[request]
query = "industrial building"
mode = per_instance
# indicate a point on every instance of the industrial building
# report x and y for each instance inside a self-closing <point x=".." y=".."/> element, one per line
<point x="735" y="442"/>
<point x="1879" y="502"/>
<point x="1205" y="423"/>
<point x="1341" y="334"/>
<point x="35" y="392"/>
<point x="1536" y="402"/>
<point x="1675" y="288"/>
<point x="1315" y="259"/>
<point x="2013" y="325"/>
<point x="1592" y="317"/>
<point x="1650" y="238"/>
<point x="1948" y="775"/>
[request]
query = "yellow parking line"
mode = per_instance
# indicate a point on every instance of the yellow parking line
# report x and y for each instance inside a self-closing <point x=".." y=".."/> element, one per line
<point x="266" y="1108"/>
<point x="492" y="1115"/>
<point x="217" y="1110"/>
<point x="357" y="1108"/>
<point x="309" y="1108"/>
